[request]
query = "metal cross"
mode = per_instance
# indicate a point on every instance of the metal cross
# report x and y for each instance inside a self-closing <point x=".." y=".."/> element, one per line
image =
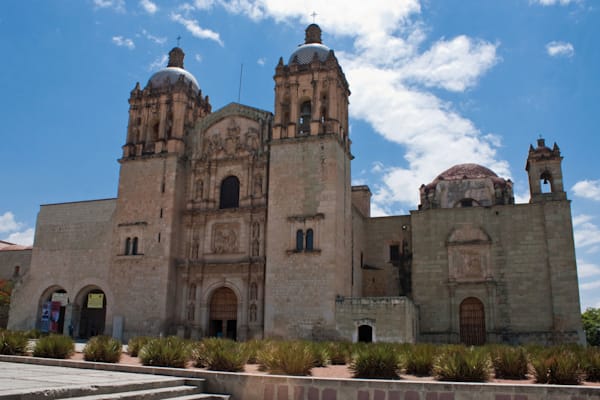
<point x="178" y="39"/>
<point x="314" y="14"/>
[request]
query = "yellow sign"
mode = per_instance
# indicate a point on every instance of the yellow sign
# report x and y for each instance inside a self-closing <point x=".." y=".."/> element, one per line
<point x="95" y="300"/>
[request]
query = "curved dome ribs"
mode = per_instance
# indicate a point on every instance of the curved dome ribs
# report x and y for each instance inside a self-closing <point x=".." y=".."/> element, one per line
<point x="466" y="185"/>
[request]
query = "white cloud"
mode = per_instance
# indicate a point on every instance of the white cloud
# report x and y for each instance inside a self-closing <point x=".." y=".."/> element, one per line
<point x="198" y="57"/>
<point x="587" y="189"/>
<point x="155" y="39"/>
<point x="560" y="49"/>
<point x="553" y="2"/>
<point x="24" y="238"/>
<point x="204" y="4"/>
<point x="585" y="232"/>
<point x="391" y="73"/>
<point x="158" y="63"/>
<point x="117" y="5"/>
<point x="194" y="28"/>
<point x="261" y="61"/>
<point x="8" y="222"/>
<point x="590" y="285"/>
<point x="585" y="269"/>
<point x="123" y="42"/>
<point x="148" y="6"/>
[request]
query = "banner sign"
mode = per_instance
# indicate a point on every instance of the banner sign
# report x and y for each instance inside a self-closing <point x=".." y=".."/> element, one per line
<point x="62" y="298"/>
<point x="45" y="325"/>
<point x="95" y="300"/>
<point x="54" y="316"/>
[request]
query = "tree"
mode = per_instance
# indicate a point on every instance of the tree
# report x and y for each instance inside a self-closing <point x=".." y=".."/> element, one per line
<point x="591" y="325"/>
<point x="5" y="291"/>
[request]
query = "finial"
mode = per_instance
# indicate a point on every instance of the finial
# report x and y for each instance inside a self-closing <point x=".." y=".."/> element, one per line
<point x="313" y="34"/>
<point x="314" y="15"/>
<point x="176" y="58"/>
<point x="178" y="39"/>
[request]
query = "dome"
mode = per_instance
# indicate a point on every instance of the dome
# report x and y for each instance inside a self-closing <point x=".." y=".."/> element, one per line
<point x="305" y="53"/>
<point x="466" y="171"/>
<point x="173" y="72"/>
<point x="168" y="76"/>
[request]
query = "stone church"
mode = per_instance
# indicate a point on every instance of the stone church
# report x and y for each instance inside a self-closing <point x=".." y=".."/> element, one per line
<point x="243" y="223"/>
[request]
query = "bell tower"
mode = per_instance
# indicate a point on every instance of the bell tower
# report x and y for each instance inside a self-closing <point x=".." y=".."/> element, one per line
<point x="309" y="214"/>
<point x="545" y="173"/>
<point x="151" y="194"/>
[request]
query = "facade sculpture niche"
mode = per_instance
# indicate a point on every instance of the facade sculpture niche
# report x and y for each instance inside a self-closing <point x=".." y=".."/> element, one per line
<point x="225" y="238"/>
<point x="468" y="255"/>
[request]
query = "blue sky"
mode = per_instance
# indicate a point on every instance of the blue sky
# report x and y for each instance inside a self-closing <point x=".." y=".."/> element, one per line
<point x="434" y="83"/>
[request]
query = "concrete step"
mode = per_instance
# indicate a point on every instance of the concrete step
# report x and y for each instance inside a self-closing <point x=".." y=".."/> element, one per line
<point x="168" y="392"/>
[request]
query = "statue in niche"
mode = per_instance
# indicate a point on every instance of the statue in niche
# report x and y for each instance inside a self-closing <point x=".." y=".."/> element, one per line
<point x="190" y="311"/>
<point x="169" y="125"/>
<point x="253" y="291"/>
<point x="199" y="189"/>
<point x="255" y="230"/>
<point x="258" y="185"/>
<point x="255" y="248"/>
<point x="252" y="313"/>
<point x="252" y="141"/>
<point x="224" y="239"/>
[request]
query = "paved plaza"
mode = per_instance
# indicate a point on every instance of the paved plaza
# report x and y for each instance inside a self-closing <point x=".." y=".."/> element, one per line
<point x="18" y="378"/>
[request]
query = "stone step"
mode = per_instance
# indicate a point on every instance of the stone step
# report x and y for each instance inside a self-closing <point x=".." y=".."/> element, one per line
<point x="168" y="392"/>
<point x="203" y="396"/>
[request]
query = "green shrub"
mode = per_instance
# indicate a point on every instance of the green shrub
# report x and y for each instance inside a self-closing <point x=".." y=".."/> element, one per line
<point x="136" y="343"/>
<point x="375" y="361"/>
<point x="460" y="364"/>
<point x="13" y="343"/>
<point x="558" y="366"/>
<point x="54" y="346"/>
<point x="320" y="353"/>
<point x="220" y="355"/>
<point x="252" y="348"/>
<point x="340" y="353"/>
<point x="165" y="352"/>
<point x="286" y="358"/>
<point x="103" y="349"/>
<point x="419" y="359"/>
<point x="592" y="364"/>
<point x="509" y="362"/>
<point x="33" y="334"/>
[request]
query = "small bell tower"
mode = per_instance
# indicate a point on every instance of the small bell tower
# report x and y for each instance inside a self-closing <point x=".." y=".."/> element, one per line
<point x="545" y="173"/>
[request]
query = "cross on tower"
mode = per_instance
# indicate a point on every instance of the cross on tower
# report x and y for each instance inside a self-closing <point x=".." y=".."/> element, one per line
<point x="178" y="39"/>
<point x="314" y="14"/>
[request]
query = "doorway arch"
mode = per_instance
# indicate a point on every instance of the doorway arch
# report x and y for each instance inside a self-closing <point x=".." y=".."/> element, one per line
<point x="52" y="309"/>
<point x="223" y="313"/>
<point x="365" y="333"/>
<point x="472" y="322"/>
<point x="92" y="319"/>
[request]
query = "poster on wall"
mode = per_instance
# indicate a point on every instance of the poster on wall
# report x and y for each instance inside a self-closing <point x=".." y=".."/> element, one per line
<point x="95" y="300"/>
<point x="45" y="320"/>
<point x="54" y="316"/>
<point x="62" y="298"/>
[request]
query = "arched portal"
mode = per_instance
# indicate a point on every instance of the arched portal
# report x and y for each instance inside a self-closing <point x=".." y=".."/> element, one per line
<point x="365" y="333"/>
<point x="472" y="322"/>
<point x="52" y="311"/>
<point x="223" y="314"/>
<point x="93" y="313"/>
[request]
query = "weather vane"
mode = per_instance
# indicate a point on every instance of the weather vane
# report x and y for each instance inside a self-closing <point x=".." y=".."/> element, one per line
<point x="314" y="15"/>
<point x="178" y="39"/>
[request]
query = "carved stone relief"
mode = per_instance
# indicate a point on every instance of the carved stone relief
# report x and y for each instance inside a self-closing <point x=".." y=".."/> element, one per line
<point x="225" y="238"/>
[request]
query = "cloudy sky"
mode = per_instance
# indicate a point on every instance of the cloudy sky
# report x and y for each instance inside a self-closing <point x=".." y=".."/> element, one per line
<point x="434" y="83"/>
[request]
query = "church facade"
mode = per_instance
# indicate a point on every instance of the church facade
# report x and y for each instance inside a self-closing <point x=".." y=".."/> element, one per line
<point x="243" y="223"/>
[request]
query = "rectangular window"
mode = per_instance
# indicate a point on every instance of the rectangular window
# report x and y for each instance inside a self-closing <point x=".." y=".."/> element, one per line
<point x="394" y="252"/>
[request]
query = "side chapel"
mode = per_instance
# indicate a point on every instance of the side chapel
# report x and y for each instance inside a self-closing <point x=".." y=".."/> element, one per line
<point x="243" y="223"/>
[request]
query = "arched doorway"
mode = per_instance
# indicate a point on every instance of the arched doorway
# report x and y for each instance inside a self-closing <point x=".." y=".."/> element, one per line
<point x="223" y="314"/>
<point x="93" y="313"/>
<point x="472" y="322"/>
<point x="53" y="306"/>
<point x="365" y="333"/>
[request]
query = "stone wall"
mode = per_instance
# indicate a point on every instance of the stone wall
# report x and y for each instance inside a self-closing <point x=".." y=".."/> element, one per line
<point x="392" y="319"/>
<point x="72" y="249"/>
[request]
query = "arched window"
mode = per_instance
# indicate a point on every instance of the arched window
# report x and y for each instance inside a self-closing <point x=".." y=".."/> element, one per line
<point x="230" y="193"/>
<point x="545" y="182"/>
<point x="127" y="246"/>
<point x="309" y="239"/>
<point x="299" y="240"/>
<point x="134" y="246"/>
<point x="304" y="120"/>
